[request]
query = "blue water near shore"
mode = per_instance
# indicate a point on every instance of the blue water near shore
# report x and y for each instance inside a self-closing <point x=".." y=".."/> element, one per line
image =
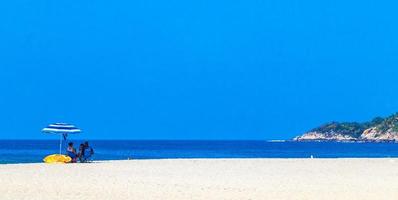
<point x="31" y="151"/>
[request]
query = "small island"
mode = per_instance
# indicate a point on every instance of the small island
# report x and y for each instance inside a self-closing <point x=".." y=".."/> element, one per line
<point x="378" y="130"/>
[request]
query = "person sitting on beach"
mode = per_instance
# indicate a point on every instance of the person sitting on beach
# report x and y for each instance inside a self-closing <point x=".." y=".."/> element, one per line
<point x="71" y="152"/>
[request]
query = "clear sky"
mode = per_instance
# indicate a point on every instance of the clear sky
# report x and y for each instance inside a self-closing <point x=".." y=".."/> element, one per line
<point x="152" y="69"/>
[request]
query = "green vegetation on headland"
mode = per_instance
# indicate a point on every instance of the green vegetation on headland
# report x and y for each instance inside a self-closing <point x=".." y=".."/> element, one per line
<point x="378" y="130"/>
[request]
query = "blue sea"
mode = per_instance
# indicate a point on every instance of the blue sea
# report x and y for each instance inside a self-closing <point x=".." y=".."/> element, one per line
<point x="33" y="151"/>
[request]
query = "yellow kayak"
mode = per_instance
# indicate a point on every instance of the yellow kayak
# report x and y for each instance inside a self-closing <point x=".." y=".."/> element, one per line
<point x="57" y="158"/>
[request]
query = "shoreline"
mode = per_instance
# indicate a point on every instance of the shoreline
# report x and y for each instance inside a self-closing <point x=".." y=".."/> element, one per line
<point x="198" y="159"/>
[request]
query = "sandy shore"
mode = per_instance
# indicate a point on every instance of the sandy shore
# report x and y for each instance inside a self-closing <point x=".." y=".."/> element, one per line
<point x="204" y="179"/>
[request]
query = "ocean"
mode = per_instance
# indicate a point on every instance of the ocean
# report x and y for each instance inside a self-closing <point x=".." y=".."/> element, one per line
<point x="33" y="151"/>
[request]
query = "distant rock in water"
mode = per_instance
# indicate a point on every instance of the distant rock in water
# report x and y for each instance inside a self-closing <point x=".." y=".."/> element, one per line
<point x="378" y="130"/>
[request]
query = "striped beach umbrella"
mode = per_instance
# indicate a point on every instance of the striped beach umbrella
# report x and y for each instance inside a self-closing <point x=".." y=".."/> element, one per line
<point x="63" y="129"/>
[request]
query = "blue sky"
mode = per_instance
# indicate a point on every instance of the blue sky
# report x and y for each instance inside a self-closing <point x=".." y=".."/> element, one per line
<point x="203" y="69"/>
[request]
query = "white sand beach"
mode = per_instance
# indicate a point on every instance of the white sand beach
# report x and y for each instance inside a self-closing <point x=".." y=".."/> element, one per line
<point x="204" y="179"/>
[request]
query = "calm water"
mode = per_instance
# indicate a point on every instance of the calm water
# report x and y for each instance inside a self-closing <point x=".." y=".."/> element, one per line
<point x="27" y="151"/>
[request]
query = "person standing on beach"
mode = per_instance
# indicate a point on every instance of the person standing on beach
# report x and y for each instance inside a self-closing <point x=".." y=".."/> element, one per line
<point x="81" y="152"/>
<point x="88" y="151"/>
<point x="85" y="152"/>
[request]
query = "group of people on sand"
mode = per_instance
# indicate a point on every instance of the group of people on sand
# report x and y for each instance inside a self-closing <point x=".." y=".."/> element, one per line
<point x="84" y="154"/>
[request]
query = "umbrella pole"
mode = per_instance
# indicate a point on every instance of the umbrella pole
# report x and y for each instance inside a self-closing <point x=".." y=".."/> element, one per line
<point x="60" y="144"/>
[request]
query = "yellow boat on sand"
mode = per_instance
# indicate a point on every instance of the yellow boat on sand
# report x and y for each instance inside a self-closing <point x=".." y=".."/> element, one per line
<point x="57" y="158"/>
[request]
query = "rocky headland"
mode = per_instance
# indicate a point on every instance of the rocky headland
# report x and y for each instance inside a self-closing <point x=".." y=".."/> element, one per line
<point x="378" y="130"/>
